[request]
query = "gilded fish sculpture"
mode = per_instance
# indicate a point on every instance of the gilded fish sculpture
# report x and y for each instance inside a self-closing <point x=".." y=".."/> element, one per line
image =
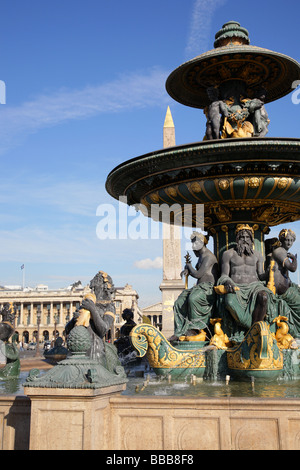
<point x="162" y="356"/>
<point x="257" y="355"/>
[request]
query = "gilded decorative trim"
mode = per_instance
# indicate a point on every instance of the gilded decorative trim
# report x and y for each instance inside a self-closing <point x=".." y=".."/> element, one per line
<point x="204" y="148"/>
<point x="262" y="244"/>
<point x="261" y="177"/>
<point x="148" y="340"/>
<point x="258" y="351"/>
<point x="217" y="182"/>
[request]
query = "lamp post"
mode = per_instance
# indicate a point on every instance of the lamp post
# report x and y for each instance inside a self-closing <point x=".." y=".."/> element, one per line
<point x="56" y="318"/>
<point x="68" y="312"/>
<point x="58" y="314"/>
<point x="15" y="308"/>
<point x="38" y="320"/>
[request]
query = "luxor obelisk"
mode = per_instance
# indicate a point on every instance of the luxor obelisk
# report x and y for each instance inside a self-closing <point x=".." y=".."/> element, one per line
<point x="172" y="284"/>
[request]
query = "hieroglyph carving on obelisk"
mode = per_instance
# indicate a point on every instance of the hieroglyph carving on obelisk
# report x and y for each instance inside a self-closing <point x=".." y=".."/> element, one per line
<point x="172" y="284"/>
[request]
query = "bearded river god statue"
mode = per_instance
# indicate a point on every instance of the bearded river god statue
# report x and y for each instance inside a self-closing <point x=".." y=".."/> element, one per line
<point x="93" y="363"/>
<point x="255" y="327"/>
<point x="248" y="296"/>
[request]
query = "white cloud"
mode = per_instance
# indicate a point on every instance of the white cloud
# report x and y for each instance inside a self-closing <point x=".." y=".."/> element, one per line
<point x="148" y="263"/>
<point x="131" y="91"/>
<point x="199" y="38"/>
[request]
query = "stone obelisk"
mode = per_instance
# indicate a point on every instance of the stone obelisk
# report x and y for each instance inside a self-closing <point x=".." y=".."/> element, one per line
<point x="172" y="284"/>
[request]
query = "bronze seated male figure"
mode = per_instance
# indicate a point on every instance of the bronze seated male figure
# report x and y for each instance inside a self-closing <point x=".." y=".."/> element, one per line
<point x="248" y="297"/>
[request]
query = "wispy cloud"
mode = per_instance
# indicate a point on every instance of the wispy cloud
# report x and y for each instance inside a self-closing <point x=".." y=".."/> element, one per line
<point x="39" y="244"/>
<point x="129" y="91"/>
<point x="148" y="263"/>
<point x="199" y="38"/>
<point x="70" y="196"/>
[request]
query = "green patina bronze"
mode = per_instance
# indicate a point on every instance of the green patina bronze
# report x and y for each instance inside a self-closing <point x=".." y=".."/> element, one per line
<point x="253" y="180"/>
<point x="232" y="59"/>
<point x="57" y="353"/>
<point x="79" y="371"/>
<point x="246" y="183"/>
<point x="231" y="30"/>
<point x="12" y="367"/>
<point x="9" y="350"/>
<point x="92" y="363"/>
<point x="256" y="356"/>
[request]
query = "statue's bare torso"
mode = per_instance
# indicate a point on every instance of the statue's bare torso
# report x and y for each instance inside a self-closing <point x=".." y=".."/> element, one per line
<point x="242" y="269"/>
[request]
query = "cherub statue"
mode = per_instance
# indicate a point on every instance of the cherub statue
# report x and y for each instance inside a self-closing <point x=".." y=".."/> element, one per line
<point x="236" y="125"/>
<point x="259" y="115"/>
<point x="215" y="114"/>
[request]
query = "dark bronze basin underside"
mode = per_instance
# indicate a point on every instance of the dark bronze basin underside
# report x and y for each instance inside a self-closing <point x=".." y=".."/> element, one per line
<point x="260" y="177"/>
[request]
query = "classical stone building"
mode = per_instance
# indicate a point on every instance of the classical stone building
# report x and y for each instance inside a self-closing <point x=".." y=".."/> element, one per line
<point x="56" y="308"/>
<point x="154" y="313"/>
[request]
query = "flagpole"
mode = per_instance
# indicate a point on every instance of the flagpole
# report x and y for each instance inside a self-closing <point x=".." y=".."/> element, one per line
<point x="23" y="269"/>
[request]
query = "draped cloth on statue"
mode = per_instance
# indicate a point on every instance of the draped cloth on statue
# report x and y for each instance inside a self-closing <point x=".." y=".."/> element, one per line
<point x="193" y="308"/>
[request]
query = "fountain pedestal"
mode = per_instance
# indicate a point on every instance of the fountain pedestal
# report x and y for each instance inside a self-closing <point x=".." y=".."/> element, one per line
<point x="70" y="403"/>
<point x="71" y="419"/>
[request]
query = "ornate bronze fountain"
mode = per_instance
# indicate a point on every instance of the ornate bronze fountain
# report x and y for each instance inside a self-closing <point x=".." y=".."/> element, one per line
<point x="241" y="177"/>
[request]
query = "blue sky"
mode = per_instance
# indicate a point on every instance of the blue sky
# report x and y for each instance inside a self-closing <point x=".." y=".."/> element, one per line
<point x="85" y="91"/>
